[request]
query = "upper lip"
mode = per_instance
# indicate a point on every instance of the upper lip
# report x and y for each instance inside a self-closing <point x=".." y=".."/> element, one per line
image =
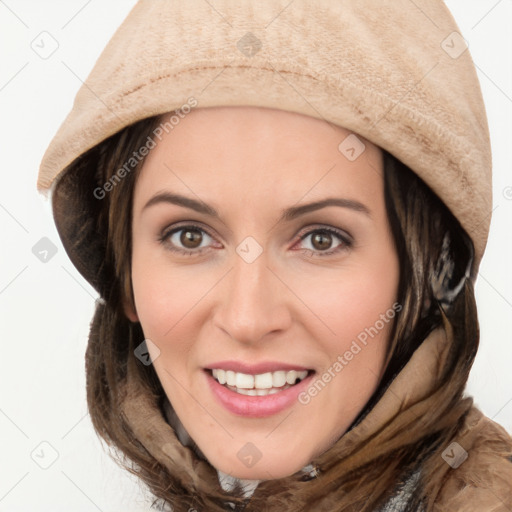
<point x="255" y="369"/>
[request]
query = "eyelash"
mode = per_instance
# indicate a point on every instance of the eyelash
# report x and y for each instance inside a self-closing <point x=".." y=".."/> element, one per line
<point x="346" y="241"/>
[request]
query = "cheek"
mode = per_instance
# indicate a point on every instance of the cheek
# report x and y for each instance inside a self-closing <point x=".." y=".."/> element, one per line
<point x="161" y="309"/>
<point x="162" y="295"/>
<point x="354" y="305"/>
<point x="353" y="300"/>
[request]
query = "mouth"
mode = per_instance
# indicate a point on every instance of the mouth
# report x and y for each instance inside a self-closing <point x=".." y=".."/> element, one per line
<point x="261" y="384"/>
<point x="257" y="395"/>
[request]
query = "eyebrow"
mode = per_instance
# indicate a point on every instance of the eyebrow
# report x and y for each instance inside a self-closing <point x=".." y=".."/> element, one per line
<point x="286" y="215"/>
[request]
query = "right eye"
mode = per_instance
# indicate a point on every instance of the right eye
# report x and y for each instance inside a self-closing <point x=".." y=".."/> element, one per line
<point x="186" y="240"/>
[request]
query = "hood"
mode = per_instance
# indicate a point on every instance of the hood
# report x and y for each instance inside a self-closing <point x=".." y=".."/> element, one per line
<point x="399" y="74"/>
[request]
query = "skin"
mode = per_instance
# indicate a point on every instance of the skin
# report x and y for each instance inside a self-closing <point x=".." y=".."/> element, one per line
<point x="291" y="304"/>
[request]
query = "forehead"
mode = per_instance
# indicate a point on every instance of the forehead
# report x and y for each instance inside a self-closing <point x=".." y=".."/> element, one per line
<point x="260" y="153"/>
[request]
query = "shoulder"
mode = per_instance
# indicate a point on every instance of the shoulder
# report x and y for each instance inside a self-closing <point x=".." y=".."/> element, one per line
<point x="480" y="477"/>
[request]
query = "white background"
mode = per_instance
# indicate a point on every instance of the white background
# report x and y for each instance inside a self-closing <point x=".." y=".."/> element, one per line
<point x="45" y="308"/>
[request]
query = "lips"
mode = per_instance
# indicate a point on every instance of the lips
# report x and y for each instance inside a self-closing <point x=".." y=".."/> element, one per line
<point x="256" y="406"/>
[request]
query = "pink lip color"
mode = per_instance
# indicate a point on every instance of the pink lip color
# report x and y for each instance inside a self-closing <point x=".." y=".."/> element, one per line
<point x="256" y="406"/>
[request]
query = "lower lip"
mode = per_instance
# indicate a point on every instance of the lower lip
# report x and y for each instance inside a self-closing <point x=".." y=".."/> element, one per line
<point x="256" y="406"/>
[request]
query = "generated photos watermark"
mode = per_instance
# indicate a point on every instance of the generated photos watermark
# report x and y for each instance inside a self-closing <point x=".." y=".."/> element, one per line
<point x="165" y="127"/>
<point x="343" y="360"/>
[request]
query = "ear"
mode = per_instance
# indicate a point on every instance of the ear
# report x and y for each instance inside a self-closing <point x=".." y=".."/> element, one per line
<point x="129" y="311"/>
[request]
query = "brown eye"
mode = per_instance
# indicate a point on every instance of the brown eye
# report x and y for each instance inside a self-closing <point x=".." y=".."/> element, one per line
<point x="187" y="240"/>
<point x="191" y="238"/>
<point x="321" y="241"/>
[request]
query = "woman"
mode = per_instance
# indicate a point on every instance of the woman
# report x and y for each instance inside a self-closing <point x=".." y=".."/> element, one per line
<point x="283" y="209"/>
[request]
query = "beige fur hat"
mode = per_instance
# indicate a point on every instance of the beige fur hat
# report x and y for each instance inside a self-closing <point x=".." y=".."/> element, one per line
<point x="398" y="73"/>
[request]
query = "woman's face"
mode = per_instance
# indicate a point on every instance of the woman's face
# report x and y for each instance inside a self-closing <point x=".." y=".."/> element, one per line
<point x="231" y="271"/>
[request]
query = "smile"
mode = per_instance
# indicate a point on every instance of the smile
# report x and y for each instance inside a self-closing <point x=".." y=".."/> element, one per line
<point x="257" y="396"/>
<point x="258" y="385"/>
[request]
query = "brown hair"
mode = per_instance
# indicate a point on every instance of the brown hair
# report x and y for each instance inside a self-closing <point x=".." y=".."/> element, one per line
<point x="434" y="253"/>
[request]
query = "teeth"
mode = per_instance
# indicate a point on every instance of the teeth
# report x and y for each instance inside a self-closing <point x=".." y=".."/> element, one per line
<point x="257" y="392"/>
<point x="221" y="376"/>
<point x="230" y="378"/>
<point x="244" y="381"/>
<point x="262" y="381"/>
<point x="279" y="379"/>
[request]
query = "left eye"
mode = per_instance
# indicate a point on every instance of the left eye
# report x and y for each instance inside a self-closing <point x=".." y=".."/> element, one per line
<point x="324" y="236"/>
<point x="322" y="240"/>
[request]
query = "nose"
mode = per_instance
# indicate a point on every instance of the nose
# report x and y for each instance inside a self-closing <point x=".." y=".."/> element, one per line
<point x="252" y="303"/>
